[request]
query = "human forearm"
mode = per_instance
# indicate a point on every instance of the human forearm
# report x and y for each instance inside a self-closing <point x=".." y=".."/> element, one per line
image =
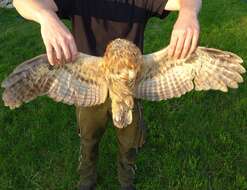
<point x="191" y="7"/>
<point x="184" y="6"/>
<point x="59" y="42"/>
<point x="36" y="10"/>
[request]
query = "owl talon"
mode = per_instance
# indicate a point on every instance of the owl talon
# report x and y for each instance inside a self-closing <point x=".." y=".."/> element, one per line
<point x="122" y="118"/>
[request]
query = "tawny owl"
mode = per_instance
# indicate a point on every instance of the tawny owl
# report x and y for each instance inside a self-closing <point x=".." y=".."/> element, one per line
<point x="126" y="74"/>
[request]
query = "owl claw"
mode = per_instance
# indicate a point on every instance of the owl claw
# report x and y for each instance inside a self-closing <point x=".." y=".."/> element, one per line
<point x="122" y="118"/>
<point x="118" y="118"/>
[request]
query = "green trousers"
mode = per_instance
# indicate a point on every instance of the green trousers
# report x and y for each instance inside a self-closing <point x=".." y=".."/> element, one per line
<point x="92" y="125"/>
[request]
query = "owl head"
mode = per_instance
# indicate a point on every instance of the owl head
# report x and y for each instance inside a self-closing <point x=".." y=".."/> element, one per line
<point x="122" y="61"/>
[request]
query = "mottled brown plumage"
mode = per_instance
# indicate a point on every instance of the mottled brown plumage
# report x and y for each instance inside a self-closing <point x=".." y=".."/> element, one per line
<point x="126" y="74"/>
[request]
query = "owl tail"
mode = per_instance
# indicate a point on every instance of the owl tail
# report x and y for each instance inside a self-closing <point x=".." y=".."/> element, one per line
<point x="26" y="82"/>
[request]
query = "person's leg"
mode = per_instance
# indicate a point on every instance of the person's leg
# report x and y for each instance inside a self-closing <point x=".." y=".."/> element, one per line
<point x="130" y="139"/>
<point x="92" y="122"/>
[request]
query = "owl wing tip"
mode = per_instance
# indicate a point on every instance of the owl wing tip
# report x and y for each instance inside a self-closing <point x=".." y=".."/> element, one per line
<point x="243" y="70"/>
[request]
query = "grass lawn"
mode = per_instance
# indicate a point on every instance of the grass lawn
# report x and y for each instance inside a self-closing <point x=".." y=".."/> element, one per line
<point x="196" y="142"/>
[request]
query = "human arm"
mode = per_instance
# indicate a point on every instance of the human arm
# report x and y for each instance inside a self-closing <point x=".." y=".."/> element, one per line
<point x="59" y="42"/>
<point x="186" y="30"/>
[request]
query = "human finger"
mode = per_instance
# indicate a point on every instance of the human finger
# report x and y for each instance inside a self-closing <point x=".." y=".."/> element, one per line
<point x="172" y="45"/>
<point x="180" y="45"/>
<point x="73" y="49"/>
<point x="58" y="53"/>
<point x="66" y="51"/>
<point x="194" y="42"/>
<point x="187" y="44"/>
<point x="49" y="53"/>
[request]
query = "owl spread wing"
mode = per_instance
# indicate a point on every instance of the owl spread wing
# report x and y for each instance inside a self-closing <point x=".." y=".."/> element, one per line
<point x="80" y="83"/>
<point x="162" y="77"/>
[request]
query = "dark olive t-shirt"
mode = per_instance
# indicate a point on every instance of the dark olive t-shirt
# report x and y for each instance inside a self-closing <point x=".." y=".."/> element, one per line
<point x="97" y="22"/>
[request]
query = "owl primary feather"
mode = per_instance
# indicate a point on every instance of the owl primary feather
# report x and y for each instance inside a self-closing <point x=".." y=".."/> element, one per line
<point x="123" y="74"/>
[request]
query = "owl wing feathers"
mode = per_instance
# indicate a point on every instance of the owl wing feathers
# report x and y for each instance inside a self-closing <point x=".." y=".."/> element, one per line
<point x="162" y="77"/>
<point x="80" y="83"/>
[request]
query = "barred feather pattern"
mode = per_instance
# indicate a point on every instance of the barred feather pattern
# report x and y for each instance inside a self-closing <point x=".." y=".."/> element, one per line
<point x="80" y="83"/>
<point x="126" y="74"/>
<point x="163" y="78"/>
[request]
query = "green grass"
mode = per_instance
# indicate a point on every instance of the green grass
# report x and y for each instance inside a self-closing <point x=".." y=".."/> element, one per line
<point x="196" y="142"/>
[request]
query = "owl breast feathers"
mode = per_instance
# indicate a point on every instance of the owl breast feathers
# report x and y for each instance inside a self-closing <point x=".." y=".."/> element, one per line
<point x="123" y="73"/>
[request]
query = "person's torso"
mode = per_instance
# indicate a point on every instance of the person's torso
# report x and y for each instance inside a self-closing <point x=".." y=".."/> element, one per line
<point x="97" y="22"/>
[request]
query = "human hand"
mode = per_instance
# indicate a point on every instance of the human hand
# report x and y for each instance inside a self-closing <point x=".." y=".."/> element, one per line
<point x="184" y="36"/>
<point x="59" y="42"/>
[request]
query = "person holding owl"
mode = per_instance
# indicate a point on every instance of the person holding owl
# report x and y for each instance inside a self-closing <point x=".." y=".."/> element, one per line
<point x="94" y="24"/>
